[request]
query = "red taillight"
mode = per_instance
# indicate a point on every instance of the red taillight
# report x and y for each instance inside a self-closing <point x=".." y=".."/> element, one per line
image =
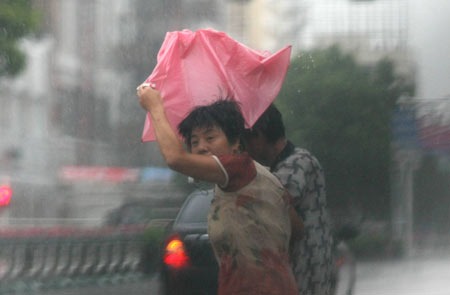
<point x="175" y="255"/>
<point x="5" y="195"/>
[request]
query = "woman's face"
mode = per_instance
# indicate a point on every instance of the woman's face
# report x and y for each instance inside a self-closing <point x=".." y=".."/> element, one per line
<point x="211" y="141"/>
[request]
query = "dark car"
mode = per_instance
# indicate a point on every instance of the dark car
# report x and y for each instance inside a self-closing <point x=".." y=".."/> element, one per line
<point x="188" y="262"/>
<point x="142" y="211"/>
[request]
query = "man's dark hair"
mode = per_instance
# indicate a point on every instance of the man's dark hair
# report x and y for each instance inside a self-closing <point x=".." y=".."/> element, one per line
<point x="270" y="124"/>
<point x="224" y="113"/>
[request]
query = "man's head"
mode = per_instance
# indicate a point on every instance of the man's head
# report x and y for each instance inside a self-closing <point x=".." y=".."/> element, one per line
<point x="267" y="136"/>
<point x="221" y="118"/>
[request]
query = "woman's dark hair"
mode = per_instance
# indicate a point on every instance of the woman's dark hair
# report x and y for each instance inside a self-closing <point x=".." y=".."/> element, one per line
<point x="270" y="124"/>
<point x="224" y="113"/>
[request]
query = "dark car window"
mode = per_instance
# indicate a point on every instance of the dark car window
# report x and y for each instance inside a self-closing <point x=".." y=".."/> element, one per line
<point x="196" y="207"/>
<point x="135" y="214"/>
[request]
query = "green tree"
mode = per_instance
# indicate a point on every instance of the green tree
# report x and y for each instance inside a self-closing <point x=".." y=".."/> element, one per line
<point x="340" y="110"/>
<point x="17" y="19"/>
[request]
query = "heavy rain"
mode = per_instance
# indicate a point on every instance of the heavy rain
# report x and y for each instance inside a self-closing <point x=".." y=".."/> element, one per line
<point x="89" y="205"/>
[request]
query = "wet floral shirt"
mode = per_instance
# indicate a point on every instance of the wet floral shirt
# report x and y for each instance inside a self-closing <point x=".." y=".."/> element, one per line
<point x="249" y="229"/>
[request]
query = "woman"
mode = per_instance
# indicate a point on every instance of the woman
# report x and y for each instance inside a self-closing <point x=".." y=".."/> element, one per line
<point x="250" y="222"/>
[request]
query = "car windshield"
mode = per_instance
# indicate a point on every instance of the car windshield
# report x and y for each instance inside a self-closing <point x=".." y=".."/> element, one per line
<point x="196" y="207"/>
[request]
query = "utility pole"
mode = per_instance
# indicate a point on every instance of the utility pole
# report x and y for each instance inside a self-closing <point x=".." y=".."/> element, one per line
<point x="406" y="163"/>
<point x="406" y="159"/>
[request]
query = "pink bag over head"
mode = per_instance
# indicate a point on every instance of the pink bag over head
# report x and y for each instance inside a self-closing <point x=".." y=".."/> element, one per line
<point x="198" y="68"/>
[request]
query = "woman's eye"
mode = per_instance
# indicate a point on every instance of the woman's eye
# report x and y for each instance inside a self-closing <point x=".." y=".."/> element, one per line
<point x="194" y="143"/>
<point x="210" y="138"/>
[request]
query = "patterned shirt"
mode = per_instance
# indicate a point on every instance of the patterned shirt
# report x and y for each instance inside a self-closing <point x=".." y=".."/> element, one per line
<point x="311" y="257"/>
<point x="249" y="229"/>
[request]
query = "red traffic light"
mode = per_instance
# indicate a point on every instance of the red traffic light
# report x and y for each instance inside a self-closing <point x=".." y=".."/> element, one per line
<point x="5" y="195"/>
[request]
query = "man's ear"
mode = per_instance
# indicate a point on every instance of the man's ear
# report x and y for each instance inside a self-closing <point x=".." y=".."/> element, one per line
<point x="237" y="147"/>
<point x="241" y="147"/>
<point x="260" y="136"/>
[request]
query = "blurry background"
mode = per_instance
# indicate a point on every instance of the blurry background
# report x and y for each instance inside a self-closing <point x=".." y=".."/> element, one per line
<point x="367" y="92"/>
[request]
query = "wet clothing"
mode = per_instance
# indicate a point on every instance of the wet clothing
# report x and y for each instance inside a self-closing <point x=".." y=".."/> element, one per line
<point x="249" y="229"/>
<point x="311" y="257"/>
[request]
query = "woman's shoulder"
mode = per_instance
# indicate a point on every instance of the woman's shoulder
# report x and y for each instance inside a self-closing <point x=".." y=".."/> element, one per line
<point x="239" y="170"/>
<point x="264" y="173"/>
<point x="263" y="170"/>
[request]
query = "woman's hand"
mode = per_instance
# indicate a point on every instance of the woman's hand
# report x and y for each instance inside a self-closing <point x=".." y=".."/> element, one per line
<point x="149" y="98"/>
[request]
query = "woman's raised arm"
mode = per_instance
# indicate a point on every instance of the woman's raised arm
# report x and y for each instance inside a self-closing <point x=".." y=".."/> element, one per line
<point x="200" y="167"/>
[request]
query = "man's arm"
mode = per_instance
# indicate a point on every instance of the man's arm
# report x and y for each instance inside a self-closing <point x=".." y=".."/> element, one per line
<point x="297" y="225"/>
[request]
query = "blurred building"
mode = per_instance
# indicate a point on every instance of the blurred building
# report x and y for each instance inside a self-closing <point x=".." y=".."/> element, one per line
<point x="266" y="24"/>
<point x="75" y="104"/>
<point x="101" y="50"/>
<point x="25" y="146"/>
<point x="370" y="29"/>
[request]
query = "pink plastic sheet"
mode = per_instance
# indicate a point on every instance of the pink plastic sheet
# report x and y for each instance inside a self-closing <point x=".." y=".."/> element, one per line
<point x="197" y="68"/>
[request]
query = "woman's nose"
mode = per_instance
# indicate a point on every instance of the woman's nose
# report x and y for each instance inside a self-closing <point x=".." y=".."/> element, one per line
<point x="202" y="148"/>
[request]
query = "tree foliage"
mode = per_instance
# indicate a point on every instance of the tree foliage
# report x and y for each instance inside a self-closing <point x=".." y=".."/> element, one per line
<point x="340" y="110"/>
<point x="17" y="19"/>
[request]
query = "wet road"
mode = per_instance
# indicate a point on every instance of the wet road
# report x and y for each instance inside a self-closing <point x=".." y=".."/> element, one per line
<point x="417" y="276"/>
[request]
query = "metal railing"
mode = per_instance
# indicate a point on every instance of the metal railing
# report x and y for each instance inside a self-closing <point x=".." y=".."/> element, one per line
<point x="41" y="258"/>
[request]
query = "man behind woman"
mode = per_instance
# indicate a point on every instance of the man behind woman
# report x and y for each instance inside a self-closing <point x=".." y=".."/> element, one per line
<point x="251" y="221"/>
<point x="302" y="175"/>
